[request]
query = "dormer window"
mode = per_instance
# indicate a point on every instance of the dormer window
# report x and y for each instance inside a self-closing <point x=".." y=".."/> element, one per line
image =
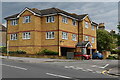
<point x="50" y="19"/>
<point x="86" y="25"/>
<point x="64" y="19"/>
<point x="26" y="19"/>
<point x="14" y="22"/>
<point x="74" y="22"/>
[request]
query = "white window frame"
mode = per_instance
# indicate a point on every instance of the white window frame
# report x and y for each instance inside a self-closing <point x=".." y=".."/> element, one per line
<point x="50" y="35"/>
<point x="86" y="38"/>
<point x="93" y="40"/>
<point x="13" y="36"/>
<point x="14" y="22"/>
<point x="50" y="19"/>
<point x="93" y="27"/>
<point x="74" y="22"/>
<point x="26" y="35"/>
<point x="26" y="19"/>
<point x="64" y="19"/>
<point x="64" y="35"/>
<point x="86" y="24"/>
<point x="74" y="37"/>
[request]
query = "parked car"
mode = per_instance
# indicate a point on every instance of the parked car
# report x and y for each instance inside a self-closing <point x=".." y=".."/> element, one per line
<point x="97" y="55"/>
<point x="84" y="56"/>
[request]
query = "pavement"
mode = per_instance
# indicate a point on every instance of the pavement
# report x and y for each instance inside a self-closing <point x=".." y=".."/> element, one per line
<point x="109" y="67"/>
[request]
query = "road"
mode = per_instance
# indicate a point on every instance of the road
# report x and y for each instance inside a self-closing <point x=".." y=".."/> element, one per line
<point x="15" y="69"/>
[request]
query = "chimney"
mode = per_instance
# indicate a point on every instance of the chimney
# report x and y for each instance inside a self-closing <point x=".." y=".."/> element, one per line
<point x="34" y="9"/>
<point x="101" y="26"/>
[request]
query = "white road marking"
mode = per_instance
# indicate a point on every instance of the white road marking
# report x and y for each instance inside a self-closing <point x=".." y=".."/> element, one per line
<point x="84" y="70"/>
<point x="14" y="66"/>
<point x="77" y="68"/>
<point x="104" y="66"/>
<point x="94" y="65"/>
<point x="89" y="69"/>
<point x="98" y="72"/>
<point x="57" y="75"/>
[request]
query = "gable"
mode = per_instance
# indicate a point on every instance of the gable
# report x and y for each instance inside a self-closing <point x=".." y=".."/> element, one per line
<point x="87" y="19"/>
<point x="26" y="11"/>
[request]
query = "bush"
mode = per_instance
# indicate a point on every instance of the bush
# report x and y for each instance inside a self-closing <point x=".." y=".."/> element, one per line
<point x="3" y="50"/>
<point x="47" y="52"/>
<point x="17" y="52"/>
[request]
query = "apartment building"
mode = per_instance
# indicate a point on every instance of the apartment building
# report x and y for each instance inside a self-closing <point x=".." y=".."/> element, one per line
<point x="3" y="31"/>
<point x="34" y="30"/>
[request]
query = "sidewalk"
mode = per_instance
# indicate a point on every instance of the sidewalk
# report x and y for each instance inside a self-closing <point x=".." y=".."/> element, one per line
<point x="37" y="60"/>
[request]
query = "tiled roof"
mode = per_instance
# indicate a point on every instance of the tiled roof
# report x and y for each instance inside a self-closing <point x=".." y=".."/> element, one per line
<point x="51" y="11"/>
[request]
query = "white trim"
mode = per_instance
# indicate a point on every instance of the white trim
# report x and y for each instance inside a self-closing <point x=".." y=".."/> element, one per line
<point x="88" y="17"/>
<point x="88" y="43"/>
<point x="28" y="10"/>
<point x="67" y="16"/>
<point x="50" y="14"/>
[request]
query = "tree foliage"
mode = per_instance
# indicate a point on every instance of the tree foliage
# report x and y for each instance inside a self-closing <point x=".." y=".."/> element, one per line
<point x="104" y="40"/>
<point x="118" y="37"/>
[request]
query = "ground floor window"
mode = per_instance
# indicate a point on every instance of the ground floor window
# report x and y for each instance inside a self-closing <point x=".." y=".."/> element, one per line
<point x="49" y="35"/>
<point x="26" y="35"/>
<point x="13" y="37"/>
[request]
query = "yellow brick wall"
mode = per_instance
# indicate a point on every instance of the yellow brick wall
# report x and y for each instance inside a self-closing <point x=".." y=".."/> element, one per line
<point x="38" y="28"/>
<point x="70" y="29"/>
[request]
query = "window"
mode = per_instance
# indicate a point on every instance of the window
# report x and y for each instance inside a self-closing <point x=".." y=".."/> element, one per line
<point x="26" y="35"/>
<point x="50" y="35"/>
<point x="74" y="22"/>
<point x="13" y="37"/>
<point x="74" y="36"/>
<point x="14" y="22"/>
<point x="26" y="19"/>
<point x="64" y="35"/>
<point x="93" y="28"/>
<point x="64" y="19"/>
<point x="50" y="19"/>
<point x="86" y="38"/>
<point x="86" y="24"/>
<point x="93" y="40"/>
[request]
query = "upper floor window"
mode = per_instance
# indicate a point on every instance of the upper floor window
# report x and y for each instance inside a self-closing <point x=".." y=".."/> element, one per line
<point x="14" y="22"/>
<point x="13" y="37"/>
<point x="64" y="19"/>
<point x="74" y="22"/>
<point x="64" y="35"/>
<point x="74" y="36"/>
<point x="93" y="28"/>
<point x="86" y="38"/>
<point x="93" y="40"/>
<point x="26" y="19"/>
<point x="50" y="35"/>
<point x="86" y="24"/>
<point x="26" y="35"/>
<point x="50" y="19"/>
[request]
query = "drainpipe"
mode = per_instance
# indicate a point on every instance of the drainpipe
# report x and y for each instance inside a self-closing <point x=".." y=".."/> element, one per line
<point x="59" y="48"/>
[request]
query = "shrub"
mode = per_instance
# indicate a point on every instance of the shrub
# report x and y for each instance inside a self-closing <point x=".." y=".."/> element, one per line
<point x="17" y="52"/>
<point x="3" y="50"/>
<point x="47" y="52"/>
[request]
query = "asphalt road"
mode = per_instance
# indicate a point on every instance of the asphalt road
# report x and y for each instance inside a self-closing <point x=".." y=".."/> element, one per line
<point x="15" y="69"/>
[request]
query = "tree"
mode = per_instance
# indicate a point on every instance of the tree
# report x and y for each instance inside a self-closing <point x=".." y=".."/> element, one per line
<point x="104" y="40"/>
<point x="118" y="36"/>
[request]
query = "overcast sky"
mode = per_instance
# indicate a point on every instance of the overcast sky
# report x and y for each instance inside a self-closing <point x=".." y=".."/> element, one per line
<point x="99" y="12"/>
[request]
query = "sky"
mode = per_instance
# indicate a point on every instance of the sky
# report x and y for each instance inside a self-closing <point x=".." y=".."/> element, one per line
<point x="99" y="12"/>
